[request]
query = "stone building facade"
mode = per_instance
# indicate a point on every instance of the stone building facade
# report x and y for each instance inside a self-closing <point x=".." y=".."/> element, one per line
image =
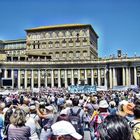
<point x="64" y="55"/>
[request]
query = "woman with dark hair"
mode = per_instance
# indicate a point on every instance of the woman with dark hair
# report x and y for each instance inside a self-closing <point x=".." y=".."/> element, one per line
<point x="17" y="129"/>
<point x="7" y="116"/>
<point x="114" y="128"/>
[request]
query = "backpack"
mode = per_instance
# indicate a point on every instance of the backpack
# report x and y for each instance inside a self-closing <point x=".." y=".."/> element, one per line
<point x="135" y="130"/>
<point x="75" y="120"/>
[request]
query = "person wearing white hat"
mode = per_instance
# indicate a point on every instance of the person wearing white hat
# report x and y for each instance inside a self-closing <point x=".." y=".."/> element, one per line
<point x="103" y="113"/>
<point x="64" y="130"/>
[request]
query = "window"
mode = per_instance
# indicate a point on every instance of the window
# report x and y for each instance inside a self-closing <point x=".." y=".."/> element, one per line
<point x="85" y="53"/>
<point x="63" y="54"/>
<point x="78" y="54"/>
<point x="70" y="43"/>
<point x="77" y="42"/>
<point x="38" y="36"/>
<point x="70" y="54"/>
<point x="50" y="53"/>
<point x="50" y="44"/>
<point x="57" y="44"/>
<point x="47" y="35"/>
<point x="64" y="43"/>
<point x="43" y="45"/>
<point x="36" y="46"/>
<point x="84" y="42"/>
<point x="57" y="54"/>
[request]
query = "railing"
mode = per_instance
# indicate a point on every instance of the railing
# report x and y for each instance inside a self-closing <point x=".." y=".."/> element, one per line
<point x="99" y="60"/>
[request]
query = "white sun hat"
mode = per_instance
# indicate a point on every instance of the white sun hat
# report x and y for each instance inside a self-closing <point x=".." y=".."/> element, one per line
<point x="49" y="108"/>
<point x="103" y="104"/>
<point x="65" y="128"/>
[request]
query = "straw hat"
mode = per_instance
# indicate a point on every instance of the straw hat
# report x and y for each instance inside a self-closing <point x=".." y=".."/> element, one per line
<point x="128" y="108"/>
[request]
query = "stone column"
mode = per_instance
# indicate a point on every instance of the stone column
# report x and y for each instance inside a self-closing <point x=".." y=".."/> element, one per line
<point x="129" y="74"/>
<point x="19" y="79"/>
<point x="92" y="77"/>
<point x="52" y="79"/>
<point x="39" y="85"/>
<point x="99" y="77"/>
<point x="72" y="77"/>
<point x="59" y="80"/>
<point x="12" y="76"/>
<point x="66" y="79"/>
<point x="85" y="76"/>
<point x="5" y="73"/>
<point x="110" y="77"/>
<point x="124" y="82"/>
<point x="135" y="76"/>
<point x="46" y="82"/>
<point x="32" y="79"/>
<point x="79" y="76"/>
<point x="25" y="79"/>
<point x="105" y="77"/>
<point x="114" y="77"/>
<point x="127" y="77"/>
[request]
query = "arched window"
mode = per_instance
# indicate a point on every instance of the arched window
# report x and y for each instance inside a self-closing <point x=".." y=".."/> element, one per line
<point x="50" y="44"/>
<point x="85" y="53"/>
<point x="38" y="36"/>
<point x="54" y="35"/>
<point x="60" y="34"/>
<point x="73" y="33"/>
<point x="81" y="33"/>
<point x="67" y="34"/>
<point x="47" y="35"/>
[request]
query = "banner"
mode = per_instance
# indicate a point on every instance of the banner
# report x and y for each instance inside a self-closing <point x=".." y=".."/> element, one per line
<point x="82" y="89"/>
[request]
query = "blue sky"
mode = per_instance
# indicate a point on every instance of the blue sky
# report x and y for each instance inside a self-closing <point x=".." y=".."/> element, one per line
<point x="117" y="22"/>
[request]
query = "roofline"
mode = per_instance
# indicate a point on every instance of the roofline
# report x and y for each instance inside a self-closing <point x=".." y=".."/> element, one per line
<point x="14" y="41"/>
<point x="56" y="27"/>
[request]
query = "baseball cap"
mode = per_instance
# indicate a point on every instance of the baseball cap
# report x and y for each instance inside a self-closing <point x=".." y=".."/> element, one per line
<point x="65" y="128"/>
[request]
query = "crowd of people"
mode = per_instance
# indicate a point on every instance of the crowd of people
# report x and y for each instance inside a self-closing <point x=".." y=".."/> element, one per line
<point x="51" y="115"/>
